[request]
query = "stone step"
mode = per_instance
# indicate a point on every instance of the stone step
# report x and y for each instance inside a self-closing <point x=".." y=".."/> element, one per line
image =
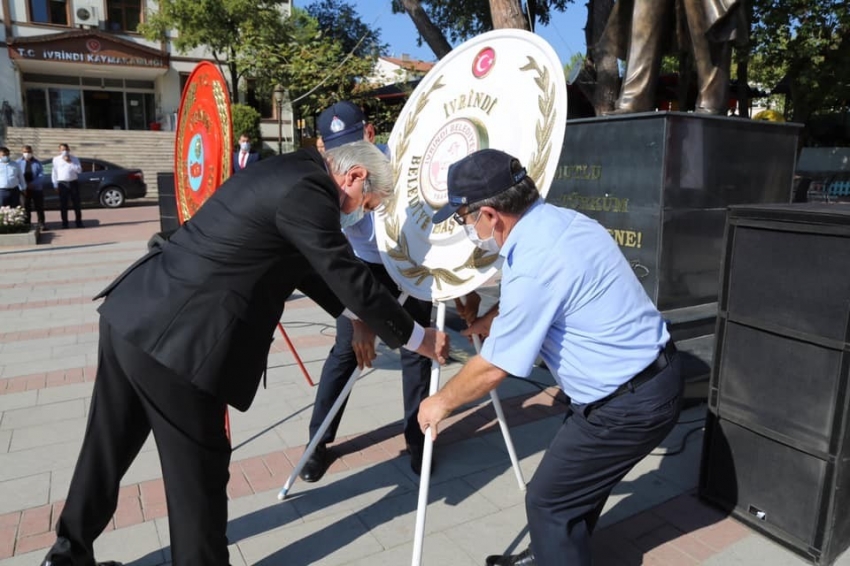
<point x="152" y="152"/>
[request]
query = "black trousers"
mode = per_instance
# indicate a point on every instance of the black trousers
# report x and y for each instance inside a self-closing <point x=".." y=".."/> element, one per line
<point x="10" y="197"/>
<point x="34" y="199"/>
<point x="133" y="395"/>
<point x="341" y="362"/>
<point x="593" y="450"/>
<point x="70" y="190"/>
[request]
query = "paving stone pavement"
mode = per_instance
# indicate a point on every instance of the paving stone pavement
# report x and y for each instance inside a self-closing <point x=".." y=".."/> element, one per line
<point x="363" y="512"/>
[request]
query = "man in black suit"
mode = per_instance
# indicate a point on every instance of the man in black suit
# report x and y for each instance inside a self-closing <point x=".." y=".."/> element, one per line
<point x="244" y="157"/>
<point x="186" y="330"/>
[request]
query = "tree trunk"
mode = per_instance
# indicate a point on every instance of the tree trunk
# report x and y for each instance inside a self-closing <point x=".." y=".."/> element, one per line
<point x="743" y="66"/>
<point x="507" y="14"/>
<point x="601" y="61"/>
<point x="432" y="35"/>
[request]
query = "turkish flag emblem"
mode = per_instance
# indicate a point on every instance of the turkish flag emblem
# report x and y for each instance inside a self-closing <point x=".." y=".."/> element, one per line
<point x="483" y="62"/>
<point x="93" y="45"/>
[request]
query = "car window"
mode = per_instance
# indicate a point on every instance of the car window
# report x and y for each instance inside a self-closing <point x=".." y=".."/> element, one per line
<point x="47" y="167"/>
<point x="87" y="165"/>
<point x="99" y="167"/>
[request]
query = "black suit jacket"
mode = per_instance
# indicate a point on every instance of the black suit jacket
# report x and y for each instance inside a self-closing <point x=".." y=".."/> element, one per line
<point x="252" y="158"/>
<point x="206" y="303"/>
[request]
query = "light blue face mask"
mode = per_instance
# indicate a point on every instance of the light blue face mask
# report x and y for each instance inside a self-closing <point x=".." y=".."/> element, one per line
<point x="349" y="219"/>
<point x="4" y="159"/>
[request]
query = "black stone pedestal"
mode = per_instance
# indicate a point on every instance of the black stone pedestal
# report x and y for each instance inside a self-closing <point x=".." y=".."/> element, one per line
<point x="661" y="183"/>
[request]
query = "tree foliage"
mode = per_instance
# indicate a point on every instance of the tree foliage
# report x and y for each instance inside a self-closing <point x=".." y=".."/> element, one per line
<point x="340" y="21"/>
<point x="220" y="25"/>
<point x="461" y="19"/>
<point x="805" y="45"/>
<point x="251" y="39"/>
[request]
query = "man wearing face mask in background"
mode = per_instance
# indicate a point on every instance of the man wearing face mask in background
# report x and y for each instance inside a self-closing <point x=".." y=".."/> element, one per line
<point x="244" y="157"/>
<point x="12" y="182"/>
<point x="569" y="294"/>
<point x="66" y="169"/>
<point x="34" y="195"/>
<point x="343" y="123"/>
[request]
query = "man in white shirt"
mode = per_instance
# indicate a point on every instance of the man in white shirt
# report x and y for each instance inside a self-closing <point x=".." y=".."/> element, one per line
<point x="66" y="169"/>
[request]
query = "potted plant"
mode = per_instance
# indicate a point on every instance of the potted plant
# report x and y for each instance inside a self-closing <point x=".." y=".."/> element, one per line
<point x="13" y="220"/>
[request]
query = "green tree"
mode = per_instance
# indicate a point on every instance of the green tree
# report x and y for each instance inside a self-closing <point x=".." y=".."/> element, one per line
<point x="805" y="45"/>
<point x="315" y="69"/>
<point x="220" y="25"/>
<point x="339" y="20"/>
<point x="440" y="20"/>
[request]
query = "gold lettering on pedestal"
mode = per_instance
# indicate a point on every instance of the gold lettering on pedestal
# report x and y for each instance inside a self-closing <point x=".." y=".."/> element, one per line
<point x="605" y="203"/>
<point x="580" y="172"/>
<point x="627" y="238"/>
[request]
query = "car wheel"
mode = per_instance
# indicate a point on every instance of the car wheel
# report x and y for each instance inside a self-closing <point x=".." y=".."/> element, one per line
<point x="112" y="197"/>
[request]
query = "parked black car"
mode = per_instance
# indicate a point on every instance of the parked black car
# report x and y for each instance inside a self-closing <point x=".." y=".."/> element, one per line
<point x="101" y="182"/>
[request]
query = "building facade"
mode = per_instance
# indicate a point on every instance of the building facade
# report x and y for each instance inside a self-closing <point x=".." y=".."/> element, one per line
<point x="80" y="64"/>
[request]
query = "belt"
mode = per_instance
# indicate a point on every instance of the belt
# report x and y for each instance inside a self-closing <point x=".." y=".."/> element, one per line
<point x="650" y="371"/>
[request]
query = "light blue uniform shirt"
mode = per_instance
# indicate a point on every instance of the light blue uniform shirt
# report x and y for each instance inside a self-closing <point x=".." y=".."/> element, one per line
<point x="11" y="177"/>
<point x="361" y="236"/>
<point x="569" y="294"/>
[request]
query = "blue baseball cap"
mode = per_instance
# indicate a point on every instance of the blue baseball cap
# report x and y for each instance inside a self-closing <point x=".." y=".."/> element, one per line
<point x="340" y="124"/>
<point x="478" y="176"/>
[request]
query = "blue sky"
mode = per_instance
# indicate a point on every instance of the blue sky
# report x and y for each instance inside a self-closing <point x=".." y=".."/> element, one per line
<point x="564" y="34"/>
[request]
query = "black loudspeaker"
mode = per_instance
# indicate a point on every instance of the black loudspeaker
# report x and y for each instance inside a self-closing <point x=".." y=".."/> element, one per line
<point x="168" y="221"/>
<point x="777" y="445"/>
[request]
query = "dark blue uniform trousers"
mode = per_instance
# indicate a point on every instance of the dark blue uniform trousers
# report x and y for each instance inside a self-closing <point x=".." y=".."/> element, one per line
<point x="341" y="362"/>
<point x="594" y="448"/>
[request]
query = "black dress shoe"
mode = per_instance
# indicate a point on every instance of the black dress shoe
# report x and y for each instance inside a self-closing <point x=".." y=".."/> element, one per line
<point x="65" y="226"/>
<point x="60" y="555"/>
<point x="317" y="464"/>
<point x="524" y="558"/>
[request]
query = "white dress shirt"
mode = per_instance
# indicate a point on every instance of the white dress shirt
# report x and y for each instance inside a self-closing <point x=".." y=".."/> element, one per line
<point x="64" y="171"/>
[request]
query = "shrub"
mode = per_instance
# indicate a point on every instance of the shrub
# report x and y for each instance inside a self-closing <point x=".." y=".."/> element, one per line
<point x="245" y="120"/>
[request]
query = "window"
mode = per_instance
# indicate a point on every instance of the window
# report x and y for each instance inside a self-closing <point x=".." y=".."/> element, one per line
<point x="49" y="12"/>
<point x="66" y="109"/>
<point x="123" y="15"/>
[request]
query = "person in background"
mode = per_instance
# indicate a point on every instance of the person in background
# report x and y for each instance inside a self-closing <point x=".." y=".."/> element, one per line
<point x="34" y="195"/>
<point x="568" y="294"/>
<point x="66" y="170"/>
<point x="244" y="157"/>
<point x="341" y="124"/>
<point x="11" y="180"/>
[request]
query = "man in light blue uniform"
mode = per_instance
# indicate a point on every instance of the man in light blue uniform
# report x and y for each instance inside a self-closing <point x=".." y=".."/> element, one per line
<point x="569" y="295"/>
<point x="344" y="122"/>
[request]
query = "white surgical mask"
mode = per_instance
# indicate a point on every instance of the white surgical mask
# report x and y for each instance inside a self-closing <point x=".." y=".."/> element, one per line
<point x="28" y="156"/>
<point x="64" y="153"/>
<point x="488" y="245"/>
<point x="4" y="159"/>
<point x="246" y="146"/>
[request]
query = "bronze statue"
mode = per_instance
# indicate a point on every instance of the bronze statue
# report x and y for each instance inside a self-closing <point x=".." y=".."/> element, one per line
<point x="639" y="28"/>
